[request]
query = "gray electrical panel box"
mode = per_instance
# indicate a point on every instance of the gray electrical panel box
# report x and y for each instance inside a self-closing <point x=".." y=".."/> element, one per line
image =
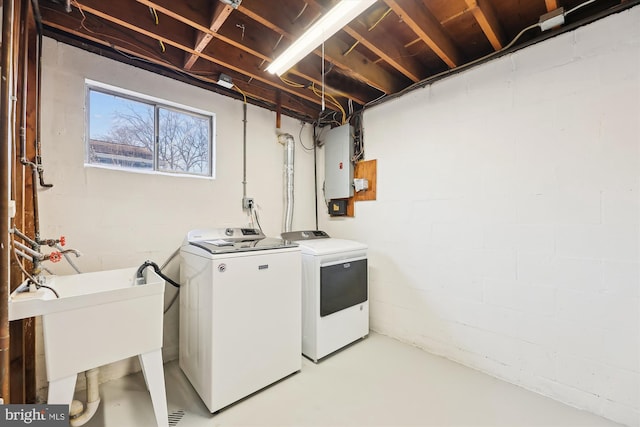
<point x="338" y="170"/>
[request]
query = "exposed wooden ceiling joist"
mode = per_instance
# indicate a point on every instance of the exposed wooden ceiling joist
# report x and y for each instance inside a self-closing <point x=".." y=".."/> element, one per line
<point x="118" y="11"/>
<point x="389" y="47"/>
<point x="428" y="29"/>
<point x="258" y="90"/>
<point x="220" y="14"/>
<point x="486" y="17"/>
<point x="257" y="46"/>
<point x="354" y="64"/>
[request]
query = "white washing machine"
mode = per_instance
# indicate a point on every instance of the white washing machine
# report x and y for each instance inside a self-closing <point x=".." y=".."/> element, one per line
<point x="335" y="288"/>
<point x="240" y="311"/>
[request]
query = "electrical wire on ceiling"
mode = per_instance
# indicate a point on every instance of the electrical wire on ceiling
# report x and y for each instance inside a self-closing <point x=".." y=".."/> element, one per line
<point x="332" y="100"/>
<point x="160" y="61"/>
<point x="578" y="7"/>
<point x="83" y="26"/>
<point x="431" y="79"/>
<point x="179" y="70"/>
<point x="322" y="74"/>
<point x="300" y="139"/>
<point x="374" y="25"/>
<point x="244" y="95"/>
<point x="301" y="12"/>
<point x="313" y="88"/>
<point x="154" y="15"/>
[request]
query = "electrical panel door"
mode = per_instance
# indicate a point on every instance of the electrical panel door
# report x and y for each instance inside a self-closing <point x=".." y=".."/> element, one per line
<point x="338" y="169"/>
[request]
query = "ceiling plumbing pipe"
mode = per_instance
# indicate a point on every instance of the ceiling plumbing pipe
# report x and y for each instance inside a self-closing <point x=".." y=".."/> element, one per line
<point x="289" y="153"/>
<point x="6" y="107"/>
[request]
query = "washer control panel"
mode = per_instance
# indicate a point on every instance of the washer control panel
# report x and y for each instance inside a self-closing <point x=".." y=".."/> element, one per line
<point x="304" y="235"/>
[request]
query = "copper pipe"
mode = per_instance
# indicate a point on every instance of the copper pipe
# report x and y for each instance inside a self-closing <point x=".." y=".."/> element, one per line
<point x="6" y="112"/>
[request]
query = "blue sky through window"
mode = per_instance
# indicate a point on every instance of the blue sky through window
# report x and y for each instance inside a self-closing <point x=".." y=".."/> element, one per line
<point x="103" y="111"/>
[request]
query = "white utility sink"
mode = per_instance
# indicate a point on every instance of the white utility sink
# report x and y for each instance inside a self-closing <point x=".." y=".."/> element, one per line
<point x="100" y="318"/>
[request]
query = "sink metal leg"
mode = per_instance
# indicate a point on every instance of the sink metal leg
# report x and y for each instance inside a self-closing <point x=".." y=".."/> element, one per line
<point x="61" y="390"/>
<point x="154" y="375"/>
<point x="146" y="383"/>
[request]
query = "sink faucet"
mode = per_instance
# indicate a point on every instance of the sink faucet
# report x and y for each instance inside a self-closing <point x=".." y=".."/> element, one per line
<point x="73" y="251"/>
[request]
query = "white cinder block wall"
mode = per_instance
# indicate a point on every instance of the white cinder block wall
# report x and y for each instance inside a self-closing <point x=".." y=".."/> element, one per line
<point x="505" y="234"/>
<point x="119" y="219"/>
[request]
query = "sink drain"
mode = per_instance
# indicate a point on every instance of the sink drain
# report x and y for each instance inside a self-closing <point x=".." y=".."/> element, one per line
<point x="175" y="417"/>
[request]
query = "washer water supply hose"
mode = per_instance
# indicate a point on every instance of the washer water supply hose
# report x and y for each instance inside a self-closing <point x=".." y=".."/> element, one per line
<point x="148" y="263"/>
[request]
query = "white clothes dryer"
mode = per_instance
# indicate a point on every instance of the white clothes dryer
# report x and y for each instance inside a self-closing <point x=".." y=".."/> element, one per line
<point x="335" y="292"/>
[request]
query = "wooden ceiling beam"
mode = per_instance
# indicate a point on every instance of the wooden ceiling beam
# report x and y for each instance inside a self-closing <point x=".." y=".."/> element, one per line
<point x="354" y="64"/>
<point x="551" y="5"/>
<point x="112" y="12"/>
<point x="257" y="91"/>
<point x="387" y="48"/>
<point x="488" y="21"/>
<point x="427" y="27"/>
<point x="258" y="46"/>
<point x="220" y="14"/>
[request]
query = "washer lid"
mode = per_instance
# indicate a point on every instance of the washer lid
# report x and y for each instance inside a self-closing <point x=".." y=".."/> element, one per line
<point x="330" y="246"/>
<point x="224" y="246"/>
<point x="230" y="234"/>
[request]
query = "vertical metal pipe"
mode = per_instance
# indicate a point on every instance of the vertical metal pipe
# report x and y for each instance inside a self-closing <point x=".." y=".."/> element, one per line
<point x="6" y="107"/>
<point x="289" y="154"/>
<point x="244" y="151"/>
<point x="315" y="173"/>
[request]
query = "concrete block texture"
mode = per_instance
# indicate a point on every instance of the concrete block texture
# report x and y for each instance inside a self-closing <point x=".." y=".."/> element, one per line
<point x="521" y="177"/>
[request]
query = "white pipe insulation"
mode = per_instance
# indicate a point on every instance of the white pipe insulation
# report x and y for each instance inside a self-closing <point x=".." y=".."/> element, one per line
<point x="289" y="154"/>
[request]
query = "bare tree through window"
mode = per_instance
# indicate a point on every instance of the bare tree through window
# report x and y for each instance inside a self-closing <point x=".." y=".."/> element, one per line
<point x="123" y="134"/>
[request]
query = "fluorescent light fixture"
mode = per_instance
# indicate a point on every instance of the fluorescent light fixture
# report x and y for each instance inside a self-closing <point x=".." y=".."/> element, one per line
<point x="328" y="24"/>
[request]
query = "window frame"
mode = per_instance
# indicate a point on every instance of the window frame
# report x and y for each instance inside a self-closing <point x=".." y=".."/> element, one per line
<point x="156" y="104"/>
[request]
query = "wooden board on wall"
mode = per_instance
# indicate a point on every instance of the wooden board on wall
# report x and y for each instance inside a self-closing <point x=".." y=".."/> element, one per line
<point x="368" y="170"/>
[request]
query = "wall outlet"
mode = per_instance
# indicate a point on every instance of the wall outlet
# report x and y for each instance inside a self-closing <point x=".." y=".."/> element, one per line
<point x="247" y="203"/>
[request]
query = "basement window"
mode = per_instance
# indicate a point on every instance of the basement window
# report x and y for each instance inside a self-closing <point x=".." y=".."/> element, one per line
<point x="137" y="133"/>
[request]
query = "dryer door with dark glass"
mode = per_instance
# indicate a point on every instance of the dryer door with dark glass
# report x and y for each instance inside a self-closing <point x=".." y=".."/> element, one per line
<point x="342" y="285"/>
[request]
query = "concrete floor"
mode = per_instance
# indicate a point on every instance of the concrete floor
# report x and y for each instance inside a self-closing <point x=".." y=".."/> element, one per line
<point x="378" y="381"/>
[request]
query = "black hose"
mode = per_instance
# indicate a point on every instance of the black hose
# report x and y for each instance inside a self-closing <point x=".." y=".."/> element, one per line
<point x="50" y="288"/>
<point x="148" y="263"/>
